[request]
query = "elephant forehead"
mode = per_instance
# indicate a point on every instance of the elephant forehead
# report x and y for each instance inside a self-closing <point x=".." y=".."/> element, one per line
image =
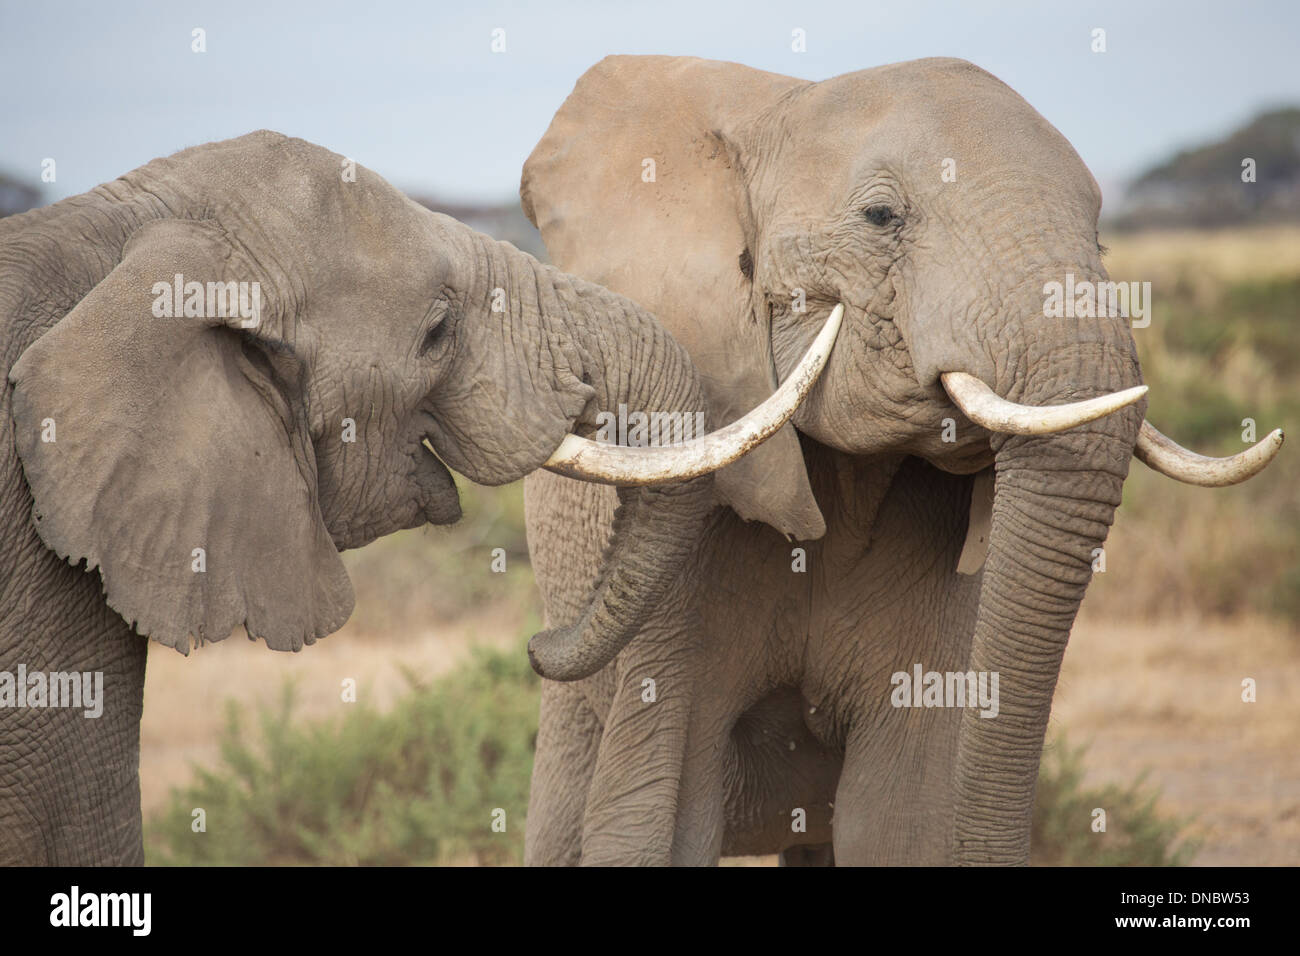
<point x="285" y="194"/>
<point x="917" y="114"/>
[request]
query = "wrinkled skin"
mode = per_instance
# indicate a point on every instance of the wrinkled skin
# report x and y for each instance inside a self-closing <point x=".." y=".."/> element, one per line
<point x="270" y="445"/>
<point x="773" y="685"/>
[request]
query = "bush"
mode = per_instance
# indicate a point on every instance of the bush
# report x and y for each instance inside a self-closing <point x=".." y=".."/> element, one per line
<point x="1136" y="834"/>
<point x="1222" y="347"/>
<point x="419" y="785"/>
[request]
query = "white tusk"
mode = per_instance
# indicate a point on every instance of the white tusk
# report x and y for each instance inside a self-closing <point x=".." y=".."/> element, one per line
<point x="1166" y="456"/>
<point x="623" y="465"/>
<point x="985" y="407"/>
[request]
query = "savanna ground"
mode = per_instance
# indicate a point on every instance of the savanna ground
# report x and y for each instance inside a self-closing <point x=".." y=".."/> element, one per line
<point x="1201" y="592"/>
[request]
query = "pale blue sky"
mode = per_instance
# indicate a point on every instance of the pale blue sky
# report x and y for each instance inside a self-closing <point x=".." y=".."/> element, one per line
<point x="413" y="90"/>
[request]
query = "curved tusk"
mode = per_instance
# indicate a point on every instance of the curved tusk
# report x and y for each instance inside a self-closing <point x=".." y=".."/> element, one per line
<point x="1171" y="459"/>
<point x="622" y="465"/>
<point x="985" y="407"/>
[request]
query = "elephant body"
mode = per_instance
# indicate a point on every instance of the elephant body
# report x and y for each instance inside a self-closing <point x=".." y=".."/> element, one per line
<point x="179" y="466"/>
<point x="776" y="681"/>
<point x="949" y="480"/>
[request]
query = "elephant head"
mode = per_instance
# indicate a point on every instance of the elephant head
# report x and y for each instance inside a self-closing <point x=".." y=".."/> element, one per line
<point x="937" y="206"/>
<point x="259" y="339"/>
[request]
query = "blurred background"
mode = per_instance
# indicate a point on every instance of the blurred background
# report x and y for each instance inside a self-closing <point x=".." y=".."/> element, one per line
<point x="1202" y="587"/>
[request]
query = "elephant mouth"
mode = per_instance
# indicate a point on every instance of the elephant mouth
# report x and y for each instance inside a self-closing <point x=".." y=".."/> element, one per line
<point x="438" y="496"/>
<point x="418" y="490"/>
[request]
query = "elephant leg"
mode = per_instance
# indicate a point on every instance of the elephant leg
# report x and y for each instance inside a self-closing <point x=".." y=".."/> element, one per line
<point x="627" y="764"/>
<point x="568" y="741"/>
<point x="701" y="803"/>
<point x="894" y="800"/>
<point x="697" y="838"/>
<point x="631" y="808"/>
<point x="70" y="777"/>
<point x="892" y="805"/>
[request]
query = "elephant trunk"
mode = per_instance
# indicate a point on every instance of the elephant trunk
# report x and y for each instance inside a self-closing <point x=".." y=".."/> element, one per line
<point x="630" y="360"/>
<point x="588" y="351"/>
<point x="653" y="532"/>
<point x="1054" y="500"/>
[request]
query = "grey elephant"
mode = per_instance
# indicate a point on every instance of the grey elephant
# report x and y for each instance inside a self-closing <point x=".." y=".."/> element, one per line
<point x="222" y="369"/>
<point x="877" y="690"/>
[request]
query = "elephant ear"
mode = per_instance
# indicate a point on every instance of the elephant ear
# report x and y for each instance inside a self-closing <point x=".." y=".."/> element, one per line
<point x="635" y="186"/>
<point x="160" y="451"/>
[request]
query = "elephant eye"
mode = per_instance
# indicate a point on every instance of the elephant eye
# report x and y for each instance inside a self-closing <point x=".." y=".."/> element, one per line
<point x="440" y="311"/>
<point x="747" y="265"/>
<point x="433" y="337"/>
<point x="879" y="214"/>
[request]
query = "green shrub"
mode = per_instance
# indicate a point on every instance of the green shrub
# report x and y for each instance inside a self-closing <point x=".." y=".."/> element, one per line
<point x="1218" y="352"/>
<point x="418" y="785"/>
<point x="1136" y="834"/>
<point x="1267" y="312"/>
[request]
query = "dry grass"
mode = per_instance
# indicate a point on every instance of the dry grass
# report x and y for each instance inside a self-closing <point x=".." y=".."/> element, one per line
<point x="185" y="697"/>
<point x="1223" y="345"/>
<point x="1208" y="258"/>
<point x="1166" y="698"/>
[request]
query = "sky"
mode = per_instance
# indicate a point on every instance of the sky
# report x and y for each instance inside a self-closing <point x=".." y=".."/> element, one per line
<point x="415" y="91"/>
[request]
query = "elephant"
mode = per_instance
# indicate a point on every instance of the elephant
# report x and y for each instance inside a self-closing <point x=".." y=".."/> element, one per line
<point x="231" y="364"/>
<point x="933" y="508"/>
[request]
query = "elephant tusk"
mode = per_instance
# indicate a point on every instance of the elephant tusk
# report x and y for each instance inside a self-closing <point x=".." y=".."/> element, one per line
<point x="1171" y="459"/>
<point x="622" y="465"/>
<point x="985" y="407"/>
